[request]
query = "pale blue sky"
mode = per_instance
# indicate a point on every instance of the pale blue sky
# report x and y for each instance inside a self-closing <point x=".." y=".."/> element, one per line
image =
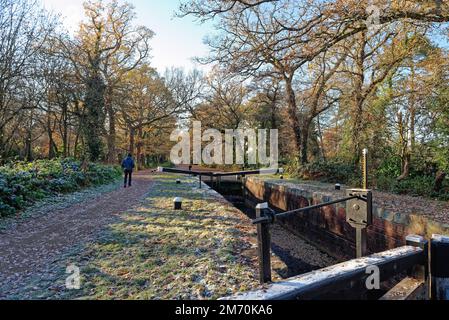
<point x="176" y="41"/>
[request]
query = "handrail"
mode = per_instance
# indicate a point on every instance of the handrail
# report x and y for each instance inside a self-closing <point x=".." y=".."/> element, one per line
<point x="221" y="174"/>
<point x="273" y="215"/>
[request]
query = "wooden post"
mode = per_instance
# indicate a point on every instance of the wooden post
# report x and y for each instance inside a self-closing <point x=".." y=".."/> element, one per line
<point x="361" y="241"/>
<point x="420" y="271"/>
<point x="264" y="245"/>
<point x="439" y="264"/>
<point x="244" y="187"/>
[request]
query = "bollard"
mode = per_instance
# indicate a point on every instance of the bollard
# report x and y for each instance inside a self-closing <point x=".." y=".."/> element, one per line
<point x="439" y="264"/>
<point x="338" y="186"/>
<point x="263" y="244"/>
<point x="177" y="203"/>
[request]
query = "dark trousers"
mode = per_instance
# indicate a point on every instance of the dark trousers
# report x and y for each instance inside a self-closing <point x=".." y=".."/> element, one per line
<point x="128" y="177"/>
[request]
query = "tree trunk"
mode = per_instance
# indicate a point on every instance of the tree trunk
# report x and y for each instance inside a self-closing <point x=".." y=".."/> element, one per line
<point x="305" y="143"/>
<point x="94" y="103"/>
<point x="140" y="156"/>
<point x="29" y="139"/>
<point x="439" y="181"/>
<point x="77" y="140"/>
<point x="111" y="139"/>
<point x="293" y="113"/>
<point x="405" y="154"/>
<point x="132" y="140"/>
<point x="51" y="143"/>
<point x="405" y="167"/>
<point x="413" y="111"/>
<point x="28" y="147"/>
<point x="321" y="142"/>
<point x="65" y="136"/>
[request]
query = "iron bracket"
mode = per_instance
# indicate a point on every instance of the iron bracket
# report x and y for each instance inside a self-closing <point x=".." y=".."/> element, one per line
<point x="360" y="210"/>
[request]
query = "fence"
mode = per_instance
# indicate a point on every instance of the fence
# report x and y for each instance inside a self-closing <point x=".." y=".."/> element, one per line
<point x="426" y="267"/>
<point x="348" y="276"/>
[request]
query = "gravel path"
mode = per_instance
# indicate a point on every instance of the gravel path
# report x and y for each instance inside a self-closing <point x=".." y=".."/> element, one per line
<point x="28" y="247"/>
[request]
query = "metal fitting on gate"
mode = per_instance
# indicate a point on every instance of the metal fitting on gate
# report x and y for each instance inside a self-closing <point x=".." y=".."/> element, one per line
<point x="360" y="209"/>
<point x="267" y="215"/>
<point x="271" y="215"/>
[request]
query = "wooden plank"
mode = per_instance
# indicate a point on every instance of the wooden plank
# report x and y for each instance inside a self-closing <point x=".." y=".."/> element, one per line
<point x="351" y="273"/>
<point x="408" y="289"/>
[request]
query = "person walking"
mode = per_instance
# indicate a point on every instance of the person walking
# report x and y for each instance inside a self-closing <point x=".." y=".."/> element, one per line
<point x="128" y="167"/>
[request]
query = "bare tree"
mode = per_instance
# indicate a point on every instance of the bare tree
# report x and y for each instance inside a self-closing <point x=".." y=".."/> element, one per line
<point x="24" y="28"/>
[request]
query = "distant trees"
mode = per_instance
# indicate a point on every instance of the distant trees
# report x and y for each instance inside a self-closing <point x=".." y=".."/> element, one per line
<point x="24" y="29"/>
<point x="106" y="47"/>
<point x="92" y="94"/>
<point x="347" y="75"/>
<point x="333" y="76"/>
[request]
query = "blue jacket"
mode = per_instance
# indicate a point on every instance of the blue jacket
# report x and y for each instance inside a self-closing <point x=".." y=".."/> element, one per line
<point x="128" y="164"/>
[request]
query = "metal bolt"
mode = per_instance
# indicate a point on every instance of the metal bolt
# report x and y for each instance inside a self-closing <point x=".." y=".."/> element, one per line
<point x="356" y="207"/>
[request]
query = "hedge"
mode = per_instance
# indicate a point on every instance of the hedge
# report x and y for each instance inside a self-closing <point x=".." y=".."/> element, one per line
<point x="24" y="183"/>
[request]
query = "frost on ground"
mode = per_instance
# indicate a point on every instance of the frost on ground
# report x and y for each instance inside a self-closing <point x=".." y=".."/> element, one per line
<point x="205" y="251"/>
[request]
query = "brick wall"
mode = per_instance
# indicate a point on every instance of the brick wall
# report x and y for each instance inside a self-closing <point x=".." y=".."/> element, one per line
<point x="327" y="227"/>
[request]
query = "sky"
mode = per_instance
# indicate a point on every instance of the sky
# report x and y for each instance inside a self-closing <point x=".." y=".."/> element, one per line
<point x="176" y="42"/>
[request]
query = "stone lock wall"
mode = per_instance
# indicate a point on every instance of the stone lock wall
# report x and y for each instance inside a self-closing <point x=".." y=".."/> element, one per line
<point x="327" y="227"/>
